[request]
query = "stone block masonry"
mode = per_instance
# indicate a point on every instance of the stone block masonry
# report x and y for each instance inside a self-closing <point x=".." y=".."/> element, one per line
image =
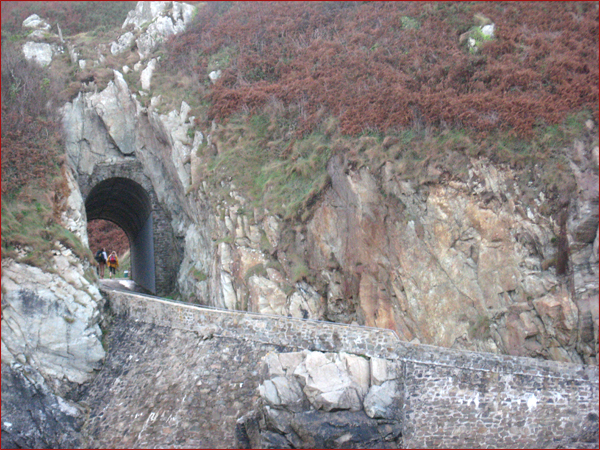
<point x="450" y="399"/>
<point x="156" y="256"/>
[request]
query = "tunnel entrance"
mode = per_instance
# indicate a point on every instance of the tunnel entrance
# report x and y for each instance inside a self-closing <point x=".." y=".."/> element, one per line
<point x="128" y="205"/>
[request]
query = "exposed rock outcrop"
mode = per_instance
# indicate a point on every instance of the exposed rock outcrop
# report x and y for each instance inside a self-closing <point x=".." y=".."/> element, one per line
<point x="51" y="321"/>
<point x="51" y="340"/>
<point x="33" y="416"/>
<point x="325" y="400"/>
<point x="153" y="22"/>
<point x="35" y="49"/>
<point x="465" y="262"/>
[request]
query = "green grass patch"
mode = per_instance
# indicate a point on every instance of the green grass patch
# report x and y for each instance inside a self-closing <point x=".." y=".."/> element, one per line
<point x="408" y="23"/>
<point x="283" y="176"/>
<point x="287" y="177"/>
<point x="30" y="232"/>
<point x="125" y="263"/>
<point x="480" y="329"/>
<point x="198" y="275"/>
<point x="300" y="271"/>
<point x="222" y="59"/>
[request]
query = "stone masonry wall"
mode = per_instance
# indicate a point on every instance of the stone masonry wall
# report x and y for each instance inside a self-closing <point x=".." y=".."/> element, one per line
<point x="167" y="255"/>
<point x="450" y="398"/>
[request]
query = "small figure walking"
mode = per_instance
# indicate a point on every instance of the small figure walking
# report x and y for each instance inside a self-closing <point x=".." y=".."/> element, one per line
<point x="113" y="264"/>
<point x="101" y="259"/>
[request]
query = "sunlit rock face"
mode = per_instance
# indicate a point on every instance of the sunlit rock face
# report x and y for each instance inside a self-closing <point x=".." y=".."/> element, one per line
<point x="457" y="264"/>
<point x="51" y="339"/>
<point x="467" y="262"/>
<point x="463" y="262"/>
<point x="154" y="22"/>
<point x="50" y="321"/>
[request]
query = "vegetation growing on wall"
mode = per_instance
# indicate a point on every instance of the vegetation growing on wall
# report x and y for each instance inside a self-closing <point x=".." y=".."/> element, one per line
<point x="33" y="187"/>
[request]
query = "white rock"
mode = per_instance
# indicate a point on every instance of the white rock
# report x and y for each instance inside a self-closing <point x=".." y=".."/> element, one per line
<point x="228" y="292"/>
<point x="268" y="391"/>
<point x="159" y="25"/>
<point x="266" y="297"/>
<point x="305" y="303"/>
<point x="146" y="76"/>
<point x="123" y="43"/>
<point x="379" y="399"/>
<point x="288" y="391"/>
<point x="183" y="12"/>
<point x="326" y="384"/>
<point x="488" y="30"/>
<point x="144" y="12"/>
<point x="183" y="113"/>
<point x="34" y="21"/>
<point x="359" y="370"/>
<point x="74" y="216"/>
<point x="49" y="321"/>
<point x="214" y="75"/>
<point x="271" y="228"/>
<point x="161" y="29"/>
<point x="118" y="110"/>
<point x="273" y="365"/>
<point x="39" y="52"/>
<point x="290" y="361"/>
<point x="380" y="371"/>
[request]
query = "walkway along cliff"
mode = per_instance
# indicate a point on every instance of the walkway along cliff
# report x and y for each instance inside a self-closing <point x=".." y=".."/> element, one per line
<point x="377" y="308"/>
<point x="177" y="373"/>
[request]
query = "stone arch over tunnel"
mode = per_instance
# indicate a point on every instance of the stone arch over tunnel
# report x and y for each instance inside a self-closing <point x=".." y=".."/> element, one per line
<point x="120" y="192"/>
<point x="126" y="203"/>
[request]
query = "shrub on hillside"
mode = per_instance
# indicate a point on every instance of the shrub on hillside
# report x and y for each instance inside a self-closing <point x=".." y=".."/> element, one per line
<point x="381" y="66"/>
<point x="31" y="137"/>
<point x="72" y="17"/>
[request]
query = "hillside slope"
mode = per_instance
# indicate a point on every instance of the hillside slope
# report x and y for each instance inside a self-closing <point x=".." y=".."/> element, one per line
<point x="430" y="168"/>
<point x="383" y="163"/>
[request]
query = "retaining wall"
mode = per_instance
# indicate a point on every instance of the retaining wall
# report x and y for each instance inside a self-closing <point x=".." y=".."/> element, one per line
<point x="451" y="399"/>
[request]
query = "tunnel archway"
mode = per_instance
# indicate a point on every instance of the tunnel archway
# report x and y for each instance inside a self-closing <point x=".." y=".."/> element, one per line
<point x="127" y="204"/>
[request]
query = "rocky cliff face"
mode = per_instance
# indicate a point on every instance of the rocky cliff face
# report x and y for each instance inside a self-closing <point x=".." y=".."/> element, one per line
<point x="51" y="342"/>
<point x="465" y="263"/>
<point x="462" y="261"/>
<point x="455" y="263"/>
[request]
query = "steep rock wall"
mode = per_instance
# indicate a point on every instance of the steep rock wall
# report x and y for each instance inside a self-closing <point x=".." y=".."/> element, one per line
<point x="469" y="264"/>
<point x="462" y="262"/>
<point x="453" y="263"/>
<point x="470" y="261"/>
<point x="51" y="341"/>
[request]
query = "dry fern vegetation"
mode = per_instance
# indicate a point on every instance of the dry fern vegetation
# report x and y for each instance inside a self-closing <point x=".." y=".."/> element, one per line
<point x="388" y="82"/>
<point x="33" y="185"/>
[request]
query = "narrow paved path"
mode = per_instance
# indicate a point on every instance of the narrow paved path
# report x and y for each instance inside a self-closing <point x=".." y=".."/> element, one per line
<point x="122" y="284"/>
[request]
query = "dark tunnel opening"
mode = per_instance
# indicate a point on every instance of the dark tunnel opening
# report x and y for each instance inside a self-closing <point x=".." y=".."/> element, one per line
<point x="126" y="203"/>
